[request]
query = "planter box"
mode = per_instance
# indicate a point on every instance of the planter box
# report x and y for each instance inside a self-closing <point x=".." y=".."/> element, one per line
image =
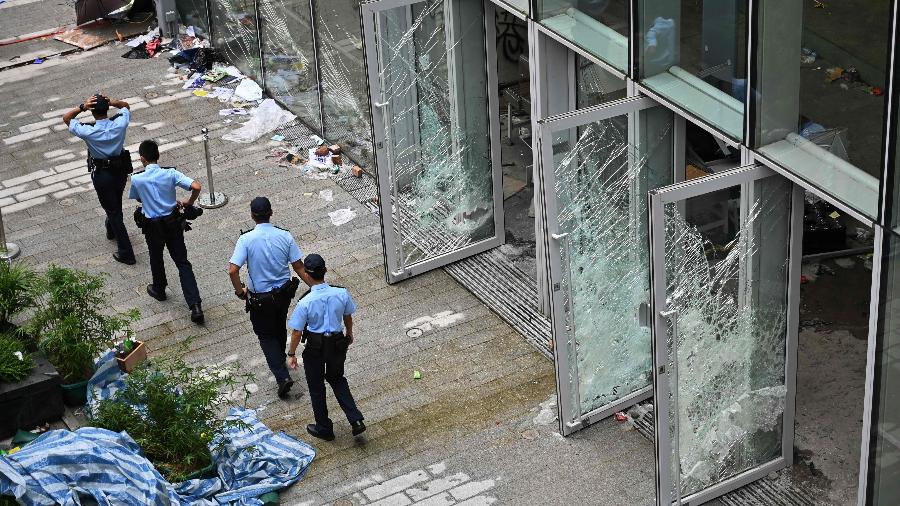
<point x="33" y="401"/>
<point x="137" y="355"/>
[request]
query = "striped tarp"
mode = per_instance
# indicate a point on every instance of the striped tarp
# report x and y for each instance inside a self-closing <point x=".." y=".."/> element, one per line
<point x="60" y="466"/>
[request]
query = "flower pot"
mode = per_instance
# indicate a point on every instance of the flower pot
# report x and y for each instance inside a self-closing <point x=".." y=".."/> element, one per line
<point x="137" y="355"/>
<point x="33" y="401"/>
<point x="75" y="394"/>
<point x="207" y="472"/>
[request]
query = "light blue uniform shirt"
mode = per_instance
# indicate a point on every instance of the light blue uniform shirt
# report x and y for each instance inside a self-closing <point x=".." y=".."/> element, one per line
<point x="155" y="188"/>
<point x="322" y="309"/>
<point x="105" y="138"/>
<point x="267" y="250"/>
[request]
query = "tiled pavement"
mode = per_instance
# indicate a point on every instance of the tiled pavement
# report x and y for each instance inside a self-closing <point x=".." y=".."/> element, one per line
<point x="478" y="428"/>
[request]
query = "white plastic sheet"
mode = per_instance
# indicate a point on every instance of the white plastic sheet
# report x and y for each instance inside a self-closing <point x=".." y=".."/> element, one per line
<point x="248" y="90"/>
<point x="264" y="119"/>
<point x="341" y="216"/>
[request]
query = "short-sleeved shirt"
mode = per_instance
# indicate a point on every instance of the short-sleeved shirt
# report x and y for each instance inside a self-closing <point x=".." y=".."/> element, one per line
<point x="267" y="250"/>
<point x="155" y="188"/>
<point x="105" y="138"/>
<point x="322" y="309"/>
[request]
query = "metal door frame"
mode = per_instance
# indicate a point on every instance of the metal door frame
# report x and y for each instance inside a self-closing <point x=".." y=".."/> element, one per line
<point x="395" y="271"/>
<point x="554" y="238"/>
<point x="744" y="176"/>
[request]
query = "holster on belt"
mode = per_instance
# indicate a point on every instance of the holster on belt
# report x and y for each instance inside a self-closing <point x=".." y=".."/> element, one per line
<point x="283" y="293"/>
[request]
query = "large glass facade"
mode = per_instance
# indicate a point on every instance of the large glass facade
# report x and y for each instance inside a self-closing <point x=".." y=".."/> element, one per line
<point x="694" y="54"/>
<point x="820" y="94"/>
<point x="235" y="34"/>
<point x="599" y="26"/>
<point x="595" y="85"/>
<point x="884" y="486"/>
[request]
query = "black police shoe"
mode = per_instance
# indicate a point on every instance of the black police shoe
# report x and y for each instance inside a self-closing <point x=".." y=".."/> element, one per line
<point x="160" y="296"/>
<point x="197" y="314"/>
<point x="126" y="261"/>
<point x="358" y="427"/>
<point x="320" y="433"/>
<point x="284" y="387"/>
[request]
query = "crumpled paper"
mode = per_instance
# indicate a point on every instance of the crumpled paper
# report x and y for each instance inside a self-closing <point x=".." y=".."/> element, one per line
<point x="341" y="216"/>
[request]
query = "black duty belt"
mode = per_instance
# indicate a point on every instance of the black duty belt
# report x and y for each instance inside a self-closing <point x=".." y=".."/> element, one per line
<point x="339" y="333"/>
<point x="169" y="218"/>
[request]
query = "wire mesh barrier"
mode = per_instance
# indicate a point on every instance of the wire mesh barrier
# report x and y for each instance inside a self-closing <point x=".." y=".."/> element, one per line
<point x="306" y="54"/>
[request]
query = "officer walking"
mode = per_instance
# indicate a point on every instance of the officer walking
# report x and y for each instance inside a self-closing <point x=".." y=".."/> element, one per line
<point x="317" y="320"/>
<point x="267" y="251"/>
<point x="163" y="226"/>
<point x="108" y="163"/>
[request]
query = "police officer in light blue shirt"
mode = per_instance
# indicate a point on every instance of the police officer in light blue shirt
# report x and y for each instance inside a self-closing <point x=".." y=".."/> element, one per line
<point x="267" y="251"/>
<point x="108" y="163"/>
<point x="320" y="319"/>
<point x="163" y="229"/>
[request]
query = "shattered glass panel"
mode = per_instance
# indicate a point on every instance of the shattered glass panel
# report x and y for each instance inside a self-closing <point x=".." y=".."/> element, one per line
<point x="288" y="54"/>
<point x="234" y="34"/>
<point x="602" y="181"/>
<point x="345" y="99"/>
<point x="193" y="13"/>
<point x="436" y="126"/>
<point x="595" y="85"/>
<point x="727" y="283"/>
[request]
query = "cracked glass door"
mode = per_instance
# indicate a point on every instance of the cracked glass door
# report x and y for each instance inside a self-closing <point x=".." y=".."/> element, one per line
<point x="725" y="272"/>
<point x="439" y="195"/>
<point x="598" y="165"/>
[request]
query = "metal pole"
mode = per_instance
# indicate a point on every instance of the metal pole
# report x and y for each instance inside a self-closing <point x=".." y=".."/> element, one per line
<point x="509" y="140"/>
<point x="213" y="199"/>
<point x="8" y="251"/>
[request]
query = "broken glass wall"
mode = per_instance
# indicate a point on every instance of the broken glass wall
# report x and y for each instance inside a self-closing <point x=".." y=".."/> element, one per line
<point x="235" y="34"/>
<point x="436" y="126"/>
<point x="193" y="13"/>
<point x="603" y="172"/>
<point x="343" y="88"/>
<point x="727" y="284"/>
<point x="595" y="85"/>
<point x="288" y="54"/>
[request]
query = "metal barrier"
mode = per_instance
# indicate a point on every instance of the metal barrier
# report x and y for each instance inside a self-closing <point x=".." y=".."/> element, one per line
<point x="213" y="199"/>
<point x="8" y="250"/>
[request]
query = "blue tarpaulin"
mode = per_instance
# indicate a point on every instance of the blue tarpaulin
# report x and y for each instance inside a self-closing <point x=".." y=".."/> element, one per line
<point x="60" y="465"/>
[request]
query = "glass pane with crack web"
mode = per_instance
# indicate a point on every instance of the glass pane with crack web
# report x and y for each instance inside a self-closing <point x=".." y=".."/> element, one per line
<point x="234" y="34"/>
<point x="289" y="59"/>
<point x="728" y="284"/>
<point x="436" y="127"/>
<point x="601" y="186"/>
<point x="345" y="99"/>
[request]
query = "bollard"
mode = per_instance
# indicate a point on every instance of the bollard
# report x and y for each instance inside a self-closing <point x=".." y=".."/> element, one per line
<point x="8" y="251"/>
<point x="213" y="199"/>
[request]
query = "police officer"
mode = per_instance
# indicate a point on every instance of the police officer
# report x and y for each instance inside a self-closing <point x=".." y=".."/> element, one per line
<point x="317" y="321"/>
<point x="105" y="140"/>
<point x="267" y="250"/>
<point x="154" y="188"/>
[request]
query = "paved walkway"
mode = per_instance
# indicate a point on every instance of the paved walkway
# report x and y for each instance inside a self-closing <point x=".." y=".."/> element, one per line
<point x="478" y="428"/>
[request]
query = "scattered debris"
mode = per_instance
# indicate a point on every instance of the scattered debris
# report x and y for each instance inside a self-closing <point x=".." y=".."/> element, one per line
<point x="264" y="119"/>
<point x="233" y="111"/>
<point x="248" y="90"/>
<point x="417" y="374"/>
<point x="356" y="171"/>
<point x="341" y="216"/>
<point x="808" y="55"/>
<point x="845" y="263"/>
<point x="278" y="138"/>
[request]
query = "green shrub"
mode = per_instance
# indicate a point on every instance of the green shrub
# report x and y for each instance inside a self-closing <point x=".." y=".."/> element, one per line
<point x="71" y="324"/>
<point x="19" y="290"/>
<point x="173" y="410"/>
<point x="15" y="362"/>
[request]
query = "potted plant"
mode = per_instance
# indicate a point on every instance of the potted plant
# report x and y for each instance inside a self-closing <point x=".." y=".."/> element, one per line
<point x="175" y="412"/>
<point x="19" y="291"/>
<point x="29" y="388"/>
<point x="73" y="327"/>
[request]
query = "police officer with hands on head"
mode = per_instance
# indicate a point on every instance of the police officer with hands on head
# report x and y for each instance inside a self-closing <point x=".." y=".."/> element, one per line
<point x="267" y="251"/>
<point x="163" y="224"/>
<point x="108" y="163"/>
<point x="320" y="319"/>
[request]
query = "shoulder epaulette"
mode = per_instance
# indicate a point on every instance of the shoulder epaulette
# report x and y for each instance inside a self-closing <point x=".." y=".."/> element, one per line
<point x="115" y="116"/>
<point x="307" y="292"/>
<point x="168" y="168"/>
<point x="245" y="231"/>
<point x="280" y="228"/>
<point x="337" y="286"/>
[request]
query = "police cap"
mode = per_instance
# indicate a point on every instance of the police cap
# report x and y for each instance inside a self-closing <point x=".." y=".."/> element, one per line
<point x="260" y="206"/>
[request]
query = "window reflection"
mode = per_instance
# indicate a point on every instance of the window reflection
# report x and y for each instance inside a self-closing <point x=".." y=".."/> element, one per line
<point x="599" y="26"/>
<point x="694" y="54"/>
<point x="820" y="97"/>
